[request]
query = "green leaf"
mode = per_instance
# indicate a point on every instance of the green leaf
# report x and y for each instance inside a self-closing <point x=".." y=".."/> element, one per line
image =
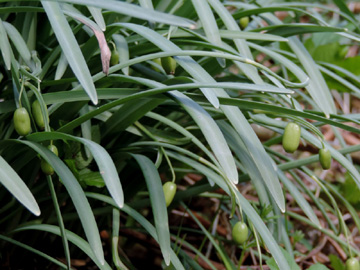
<point x="158" y="204"/>
<point x="13" y="183"/>
<point x="293" y="266"/>
<point x="72" y="237"/>
<point x="142" y="221"/>
<point x="336" y="262"/>
<point x="318" y="266"/>
<point x="245" y="206"/>
<point x="350" y="191"/>
<point x="209" y="24"/>
<point x="70" y="47"/>
<point x="102" y="158"/>
<point x="77" y="195"/>
<point x="5" y="46"/>
<point x="135" y="11"/>
<point x="18" y="42"/>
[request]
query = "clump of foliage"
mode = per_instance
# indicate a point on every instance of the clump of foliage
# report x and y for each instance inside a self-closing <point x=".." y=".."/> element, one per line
<point x="107" y="105"/>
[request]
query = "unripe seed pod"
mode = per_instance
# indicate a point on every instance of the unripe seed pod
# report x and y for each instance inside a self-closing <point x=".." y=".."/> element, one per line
<point x="46" y="167"/>
<point x="244" y="21"/>
<point x="37" y="114"/>
<point x="352" y="264"/>
<point x="240" y="233"/>
<point x="22" y="121"/>
<point x="157" y="61"/>
<point x="325" y="158"/>
<point x="168" y="64"/>
<point x="114" y="60"/>
<point x="291" y="137"/>
<point x="169" y="189"/>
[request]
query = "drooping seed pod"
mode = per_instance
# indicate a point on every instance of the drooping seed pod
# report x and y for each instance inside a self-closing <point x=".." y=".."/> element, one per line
<point x="22" y="121"/>
<point x="169" y="189"/>
<point x="38" y="115"/>
<point x="352" y="264"/>
<point x="45" y="166"/>
<point x="291" y="137"/>
<point x="168" y="64"/>
<point x="240" y="233"/>
<point x="114" y="59"/>
<point x="325" y="158"/>
<point x="244" y="21"/>
<point x="158" y="62"/>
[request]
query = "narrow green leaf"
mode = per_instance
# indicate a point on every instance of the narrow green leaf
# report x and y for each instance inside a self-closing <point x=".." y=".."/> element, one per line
<point x="299" y="198"/>
<point x="77" y="195"/>
<point x="5" y="46"/>
<point x="33" y="250"/>
<point x="135" y="11"/>
<point x="234" y="34"/>
<point x="70" y="47"/>
<point x="18" y="42"/>
<point x="186" y="62"/>
<point x="209" y="24"/>
<point x="245" y="206"/>
<point x="102" y="158"/>
<point x="123" y="50"/>
<point x="61" y="67"/>
<point x="73" y="238"/>
<point x="240" y="44"/>
<point x="13" y="183"/>
<point x="98" y="17"/>
<point x="142" y="221"/>
<point x="158" y="204"/>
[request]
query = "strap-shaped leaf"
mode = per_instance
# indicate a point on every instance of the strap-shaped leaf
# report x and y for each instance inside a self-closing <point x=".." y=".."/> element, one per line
<point x="142" y="221"/>
<point x="135" y="11"/>
<point x="208" y="22"/>
<point x="102" y="158"/>
<point x="5" y="46"/>
<point x="13" y="183"/>
<point x="235" y="116"/>
<point x="245" y="205"/>
<point x="70" y="47"/>
<point x="77" y="195"/>
<point x="158" y="204"/>
<point x="73" y="238"/>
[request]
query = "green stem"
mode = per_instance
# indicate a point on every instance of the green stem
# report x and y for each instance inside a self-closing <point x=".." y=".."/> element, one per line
<point x="60" y="221"/>
<point x="115" y="240"/>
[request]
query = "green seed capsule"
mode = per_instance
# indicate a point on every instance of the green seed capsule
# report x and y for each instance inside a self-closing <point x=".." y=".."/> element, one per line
<point x="46" y="167"/>
<point x="169" y="189"/>
<point x="114" y="60"/>
<point x="22" y="121"/>
<point x="157" y="61"/>
<point x="352" y="264"/>
<point x="291" y="137"/>
<point x="168" y="64"/>
<point x="325" y="158"/>
<point x="240" y="233"/>
<point x="244" y="21"/>
<point x="37" y="114"/>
